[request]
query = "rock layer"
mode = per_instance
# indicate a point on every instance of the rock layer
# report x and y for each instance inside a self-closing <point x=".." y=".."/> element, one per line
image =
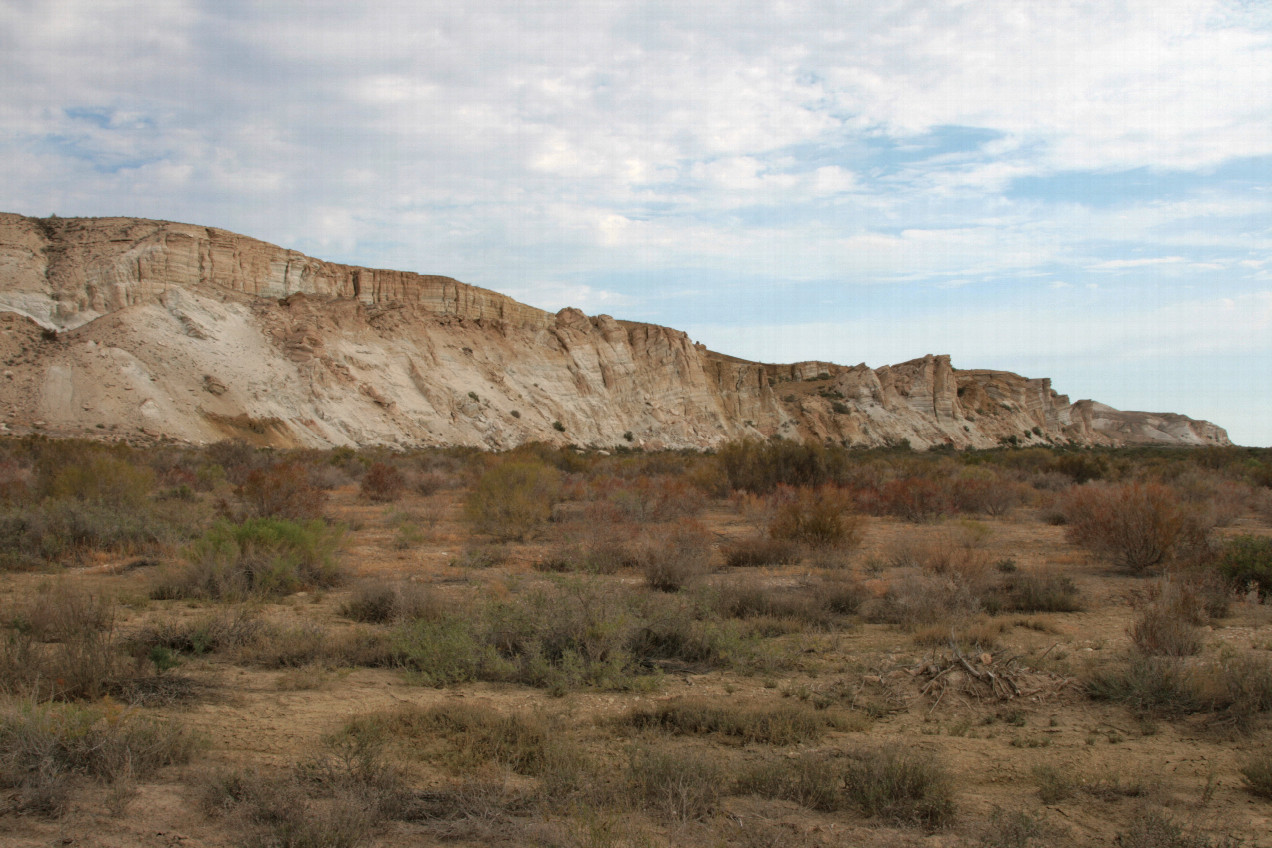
<point x="161" y="329"/>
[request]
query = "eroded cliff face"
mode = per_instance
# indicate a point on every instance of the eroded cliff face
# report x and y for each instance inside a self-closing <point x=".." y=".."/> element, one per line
<point x="146" y="327"/>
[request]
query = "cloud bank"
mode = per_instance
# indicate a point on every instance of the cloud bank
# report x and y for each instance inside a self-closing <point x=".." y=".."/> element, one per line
<point x="1016" y="184"/>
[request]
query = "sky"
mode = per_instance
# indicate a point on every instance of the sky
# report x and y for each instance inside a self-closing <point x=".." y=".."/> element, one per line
<point x="1075" y="190"/>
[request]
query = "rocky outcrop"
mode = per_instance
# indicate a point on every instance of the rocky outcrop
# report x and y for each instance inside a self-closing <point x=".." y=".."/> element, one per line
<point x="127" y="327"/>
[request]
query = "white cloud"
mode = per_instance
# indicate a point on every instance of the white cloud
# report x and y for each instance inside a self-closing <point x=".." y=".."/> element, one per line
<point x="1120" y="264"/>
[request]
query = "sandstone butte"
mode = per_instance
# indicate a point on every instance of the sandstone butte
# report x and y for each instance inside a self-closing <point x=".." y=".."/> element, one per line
<point x="140" y="329"/>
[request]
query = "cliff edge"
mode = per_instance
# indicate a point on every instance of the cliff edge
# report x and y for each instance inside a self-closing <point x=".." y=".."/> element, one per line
<point x="159" y="329"/>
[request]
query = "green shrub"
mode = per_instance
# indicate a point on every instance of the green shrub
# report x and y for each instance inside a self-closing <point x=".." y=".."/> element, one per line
<point x="513" y="498"/>
<point x="261" y="557"/>
<point x="1246" y="561"/>
<point x="446" y="650"/>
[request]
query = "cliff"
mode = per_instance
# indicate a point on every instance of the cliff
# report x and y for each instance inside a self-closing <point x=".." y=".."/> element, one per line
<point x="161" y="329"/>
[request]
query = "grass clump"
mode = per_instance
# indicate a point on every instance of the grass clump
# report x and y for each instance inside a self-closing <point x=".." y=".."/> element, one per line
<point x="258" y="558"/>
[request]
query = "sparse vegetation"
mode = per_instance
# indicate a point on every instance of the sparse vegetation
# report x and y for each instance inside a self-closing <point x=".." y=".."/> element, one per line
<point x="795" y="634"/>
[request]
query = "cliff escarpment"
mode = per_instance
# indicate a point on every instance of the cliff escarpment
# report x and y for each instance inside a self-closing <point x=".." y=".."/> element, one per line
<point x="132" y="327"/>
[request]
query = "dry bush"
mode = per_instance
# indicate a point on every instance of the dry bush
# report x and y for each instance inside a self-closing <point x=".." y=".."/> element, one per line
<point x="43" y="748"/>
<point x="1256" y="769"/>
<point x="379" y="601"/>
<point x="915" y="499"/>
<point x="923" y="599"/>
<point x="1235" y="689"/>
<point x="985" y="492"/>
<point x="817" y="517"/>
<point x="680" y="786"/>
<point x="465" y="737"/>
<point x="816" y="602"/>
<point x="907" y="787"/>
<point x="676" y="557"/>
<point x="17" y="482"/>
<point x="1222" y="501"/>
<point x="1156" y="829"/>
<point x="86" y="659"/>
<point x="647" y="499"/>
<point x="382" y="483"/>
<point x="760" y="467"/>
<point x="1161" y="629"/>
<point x="945" y="555"/>
<point x="782" y="724"/>
<point x="1135" y="525"/>
<point x="1048" y="591"/>
<point x="481" y="556"/>
<point x="220" y="631"/>
<point x="284" y="491"/>
<point x="513" y="499"/>
<point x="759" y="551"/>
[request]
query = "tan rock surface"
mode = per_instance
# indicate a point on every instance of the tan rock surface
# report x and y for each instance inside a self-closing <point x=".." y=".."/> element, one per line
<point x="200" y="334"/>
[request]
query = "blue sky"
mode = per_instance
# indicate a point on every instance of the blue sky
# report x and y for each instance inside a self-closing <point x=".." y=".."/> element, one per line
<point x="1079" y="190"/>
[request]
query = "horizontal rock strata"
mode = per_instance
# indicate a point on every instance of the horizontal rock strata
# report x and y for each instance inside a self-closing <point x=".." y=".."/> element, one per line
<point x="133" y="327"/>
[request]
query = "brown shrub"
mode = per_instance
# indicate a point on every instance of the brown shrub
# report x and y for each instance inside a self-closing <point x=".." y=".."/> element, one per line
<point x="676" y="557"/>
<point x="819" y="517"/>
<point x="1163" y="629"/>
<point x="379" y="601"/>
<point x="283" y="490"/>
<point x="983" y="492"/>
<point x="382" y="483"/>
<point x="915" y="499"/>
<point x="760" y="550"/>
<point x="1135" y="525"/>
